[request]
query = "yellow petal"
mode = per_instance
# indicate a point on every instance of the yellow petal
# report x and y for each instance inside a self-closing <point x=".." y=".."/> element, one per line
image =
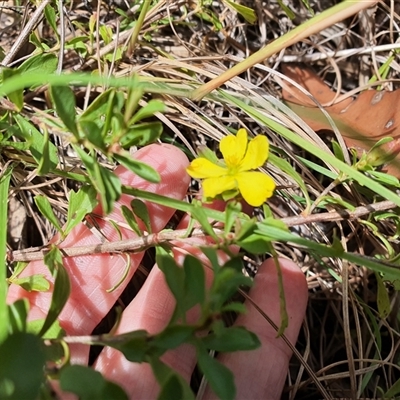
<point x="255" y="187"/>
<point x="212" y="187"/>
<point x="233" y="148"/>
<point x="256" y="155"/>
<point x="201" y="168"/>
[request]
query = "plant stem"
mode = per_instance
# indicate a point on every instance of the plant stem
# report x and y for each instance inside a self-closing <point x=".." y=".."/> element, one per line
<point x="138" y="27"/>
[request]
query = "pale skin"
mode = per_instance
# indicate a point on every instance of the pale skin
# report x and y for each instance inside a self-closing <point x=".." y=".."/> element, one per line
<point x="259" y="374"/>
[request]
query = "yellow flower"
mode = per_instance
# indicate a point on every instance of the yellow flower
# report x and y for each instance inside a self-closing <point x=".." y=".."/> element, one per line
<point x="240" y="158"/>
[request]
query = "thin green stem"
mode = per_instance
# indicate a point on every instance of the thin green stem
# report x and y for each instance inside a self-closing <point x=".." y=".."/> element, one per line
<point x="4" y="185"/>
<point x="138" y="26"/>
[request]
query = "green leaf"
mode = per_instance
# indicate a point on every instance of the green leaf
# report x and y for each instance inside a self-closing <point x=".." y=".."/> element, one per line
<point x="45" y="163"/>
<point x="89" y="384"/>
<point x="22" y="362"/>
<point x="236" y="307"/>
<point x="232" y="339"/>
<point x="169" y="380"/>
<point x="172" y="337"/>
<point x="62" y="286"/>
<point x="18" y="314"/>
<point x="212" y="255"/>
<point x="106" y="183"/>
<point x="337" y="151"/>
<point x="286" y="9"/>
<point x="44" y="63"/>
<point x="175" y="278"/>
<point x="44" y="206"/>
<point x="142" y="134"/>
<point x="139" y="168"/>
<point x="80" y="203"/>
<point x="106" y="33"/>
<point x="252" y="241"/>
<point x="34" y="39"/>
<point x="133" y="345"/>
<point x="232" y="211"/>
<point x="385" y="178"/>
<point x="152" y="107"/>
<point x="200" y="215"/>
<point x="54" y="332"/>
<point x="19" y="267"/>
<point x="4" y="190"/>
<point x="307" y="5"/>
<point x="393" y="391"/>
<point x="171" y="389"/>
<point x="139" y="208"/>
<point x="32" y="283"/>
<point x="219" y="377"/>
<point x="195" y="282"/>
<point x="247" y="13"/>
<point x="130" y="219"/>
<point x="383" y="300"/>
<point x="98" y="107"/>
<point x="17" y="96"/>
<point x="50" y="15"/>
<point x="225" y="284"/>
<point x="93" y="133"/>
<point x="37" y="142"/>
<point x="64" y="103"/>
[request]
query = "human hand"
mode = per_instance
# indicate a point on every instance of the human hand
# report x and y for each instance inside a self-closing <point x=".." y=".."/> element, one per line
<point x="259" y="374"/>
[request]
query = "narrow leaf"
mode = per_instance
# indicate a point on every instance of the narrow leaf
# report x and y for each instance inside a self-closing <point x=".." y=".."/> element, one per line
<point x="62" y="287"/>
<point x="45" y="163"/>
<point x="36" y="283"/>
<point x="175" y="278"/>
<point x="195" y="282"/>
<point x="80" y="204"/>
<point x="106" y="183"/>
<point x="172" y="337"/>
<point x="167" y="379"/>
<point x="45" y="209"/>
<point x="247" y="13"/>
<point x="134" y="346"/>
<point x="152" y="107"/>
<point x="139" y="168"/>
<point x="17" y="96"/>
<point x="64" y="103"/>
<point x="130" y="219"/>
<point x="219" y="377"/>
<point x="18" y="314"/>
<point x="140" y="210"/>
<point x="40" y="63"/>
<point x="383" y="299"/>
<point x="36" y="142"/>
<point x="4" y="186"/>
<point x="232" y="339"/>
<point x="89" y="384"/>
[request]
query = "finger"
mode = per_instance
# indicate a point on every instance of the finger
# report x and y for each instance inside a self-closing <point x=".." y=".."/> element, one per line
<point x="151" y="310"/>
<point x="92" y="275"/>
<point x="261" y="374"/>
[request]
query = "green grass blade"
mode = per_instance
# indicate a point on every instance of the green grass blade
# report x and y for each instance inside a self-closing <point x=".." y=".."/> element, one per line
<point x="4" y="185"/>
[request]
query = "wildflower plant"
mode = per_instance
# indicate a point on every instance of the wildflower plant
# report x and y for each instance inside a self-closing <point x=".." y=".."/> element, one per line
<point x="235" y="173"/>
<point x="62" y="138"/>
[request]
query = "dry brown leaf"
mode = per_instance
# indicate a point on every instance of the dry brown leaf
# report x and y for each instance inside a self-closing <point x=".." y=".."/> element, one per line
<point x="362" y="121"/>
